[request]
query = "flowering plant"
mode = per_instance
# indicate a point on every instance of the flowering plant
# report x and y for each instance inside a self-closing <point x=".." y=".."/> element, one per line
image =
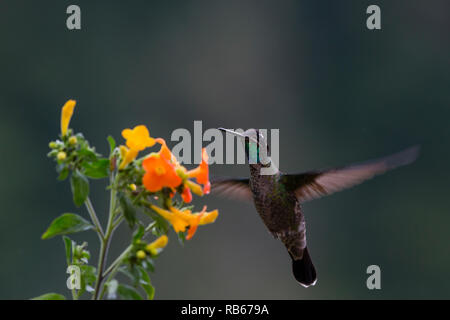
<point x="145" y="186"/>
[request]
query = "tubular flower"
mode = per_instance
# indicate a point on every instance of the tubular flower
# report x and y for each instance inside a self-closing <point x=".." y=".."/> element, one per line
<point x="195" y="188"/>
<point x="66" y="115"/>
<point x="159" y="243"/>
<point x="209" y="217"/>
<point x="138" y="138"/>
<point x="179" y="224"/>
<point x="186" y="195"/>
<point x="194" y="224"/>
<point x="127" y="156"/>
<point x="180" y="220"/>
<point x="165" y="151"/>
<point x="160" y="171"/>
<point x="201" y="173"/>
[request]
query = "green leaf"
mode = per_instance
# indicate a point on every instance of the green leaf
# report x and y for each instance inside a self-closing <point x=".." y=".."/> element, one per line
<point x="68" y="245"/>
<point x="128" y="293"/>
<point x="63" y="171"/>
<point x="88" y="278"/>
<point x="128" y="210"/>
<point x="66" y="224"/>
<point x="146" y="284"/>
<point x="98" y="169"/>
<point x="50" y="296"/>
<point x="64" y="174"/>
<point x="138" y="234"/>
<point x="181" y="237"/>
<point x="80" y="188"/>
<point x="149" y="265"/>
<point x="112" y="144"/>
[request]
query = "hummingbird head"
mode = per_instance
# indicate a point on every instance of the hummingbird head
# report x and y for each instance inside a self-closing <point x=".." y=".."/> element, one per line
<point x="255" y="144"/>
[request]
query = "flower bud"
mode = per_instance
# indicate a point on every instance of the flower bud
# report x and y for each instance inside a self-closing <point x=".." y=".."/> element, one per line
<point x="61" y="156"/>
<point x="195" y="188"/>
<point x="53" y="145"/>
<point x="181" y="172"/>
<point x="159" y="243"/>
<point x="132" y="187"/>
<point x="73" y="140"/>
<point x="141" y="254"/>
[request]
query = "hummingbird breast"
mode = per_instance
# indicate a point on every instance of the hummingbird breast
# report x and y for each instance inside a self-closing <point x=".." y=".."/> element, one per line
<point x="280" y="211"/>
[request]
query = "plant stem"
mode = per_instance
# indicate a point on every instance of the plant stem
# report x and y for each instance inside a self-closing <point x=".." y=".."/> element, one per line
<point x="114" y="267"/>
<point x="74" y="294"/>
<point x="118" y="261"/>
<point x="104" y="246"/>
<point x="90" y="209"/>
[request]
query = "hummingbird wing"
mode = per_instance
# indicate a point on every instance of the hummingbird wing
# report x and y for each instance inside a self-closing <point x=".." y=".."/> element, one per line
<point x="233" y="188"/>
<point x="315" y="184"/>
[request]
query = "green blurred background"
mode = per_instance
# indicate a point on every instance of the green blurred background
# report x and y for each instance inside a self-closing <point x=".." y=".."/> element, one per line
<point x="338" y="92"/>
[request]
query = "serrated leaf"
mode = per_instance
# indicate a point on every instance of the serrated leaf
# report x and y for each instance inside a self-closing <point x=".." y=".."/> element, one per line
<point x="112" y="144"/>
<point x="50" y="296"/>
<point x="128" y="293"/>
<point x="68" y="245"/>
<point x="66" y="224"/>
<point x="98" y="169"/>
<point x="80" y="188"/>
<point x="146" y="284"/>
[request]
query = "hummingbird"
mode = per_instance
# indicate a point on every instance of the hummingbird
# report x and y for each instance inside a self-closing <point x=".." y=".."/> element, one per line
<point x="278" y="196"/>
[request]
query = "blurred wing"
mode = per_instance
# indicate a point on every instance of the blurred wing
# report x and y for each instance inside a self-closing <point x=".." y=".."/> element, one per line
<point x="316" y="184"/>
<point x="232" y="188"/>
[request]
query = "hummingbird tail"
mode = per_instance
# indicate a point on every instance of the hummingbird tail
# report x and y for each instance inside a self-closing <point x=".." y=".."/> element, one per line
<point x="304" y="271"/>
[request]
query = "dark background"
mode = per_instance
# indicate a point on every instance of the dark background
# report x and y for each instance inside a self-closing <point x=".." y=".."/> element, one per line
<point x="337" y="91"/>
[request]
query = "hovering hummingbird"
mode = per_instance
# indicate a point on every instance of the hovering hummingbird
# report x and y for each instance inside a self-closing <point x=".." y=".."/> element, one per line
<point x="278" y="196"/>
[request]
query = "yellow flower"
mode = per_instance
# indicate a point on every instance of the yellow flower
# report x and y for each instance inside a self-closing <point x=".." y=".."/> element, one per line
<point x="179" y="224"/>
<point x="159" y="243"/>
<point x="127" y="156"/>
<point x="141" y="254"/>
<point x="209" y="217"/>
<point x="180" y="220"/>
<point x="138" y="138"/>
<point x="66" y="115"/>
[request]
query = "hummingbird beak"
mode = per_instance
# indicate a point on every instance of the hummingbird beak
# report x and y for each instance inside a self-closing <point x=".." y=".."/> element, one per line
<point x="239" y="135"/>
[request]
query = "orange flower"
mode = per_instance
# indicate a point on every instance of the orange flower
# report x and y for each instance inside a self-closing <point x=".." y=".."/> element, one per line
<point x="165" y="151"/>
<point x="138" y="138"/>
<point x="194" y="224"/>
<point x="201" y="173"/>
<point x="186" y="195"/>
<point x="159" y="173"/>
